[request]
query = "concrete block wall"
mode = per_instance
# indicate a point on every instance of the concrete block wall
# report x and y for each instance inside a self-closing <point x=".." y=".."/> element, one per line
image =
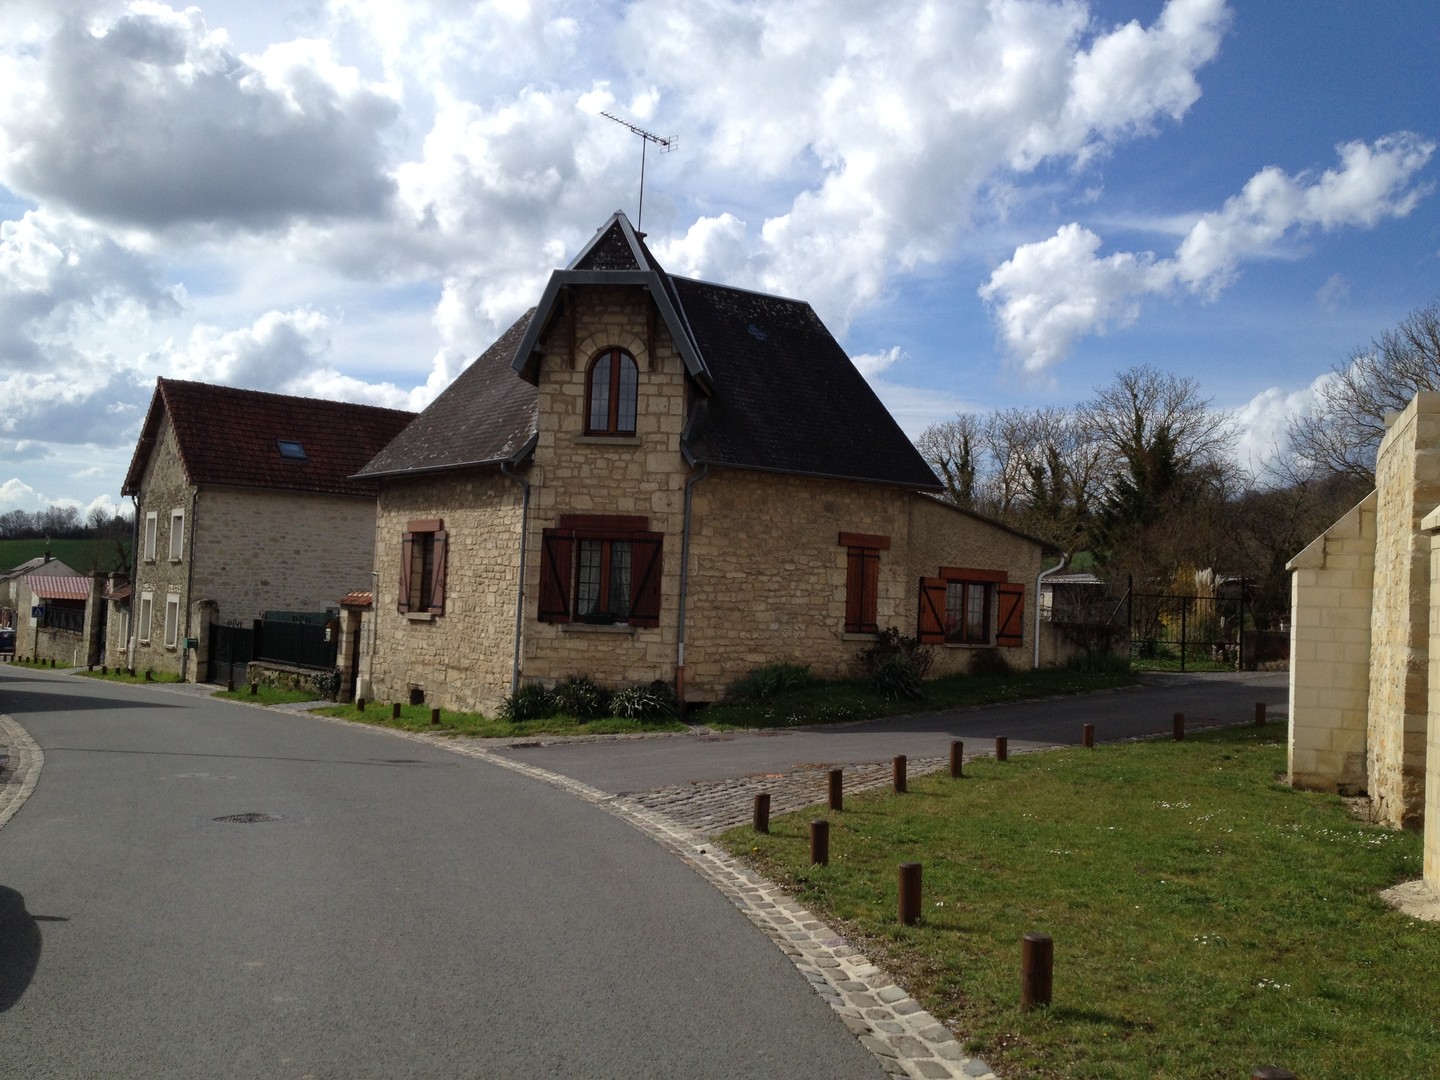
<point x="1331" y="594"/>
<point x="1407" y="482"/>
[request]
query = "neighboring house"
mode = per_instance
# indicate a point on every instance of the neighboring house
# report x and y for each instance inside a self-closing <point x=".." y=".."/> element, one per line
<point x="654" y="478"/>
<point x="1364" y="681"/>
<point x="244" y="503"/>
<point x="47" y="602"/>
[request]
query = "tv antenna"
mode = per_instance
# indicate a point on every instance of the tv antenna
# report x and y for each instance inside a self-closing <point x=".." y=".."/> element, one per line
<point x="646" y="138"/>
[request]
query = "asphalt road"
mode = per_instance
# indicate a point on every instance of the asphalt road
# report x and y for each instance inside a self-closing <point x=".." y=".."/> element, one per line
<point x="1149" y="709"/>
<point x="405" y="912"/>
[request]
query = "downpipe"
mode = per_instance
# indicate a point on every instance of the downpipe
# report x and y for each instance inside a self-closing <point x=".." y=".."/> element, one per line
<point x="1064" y="562"/>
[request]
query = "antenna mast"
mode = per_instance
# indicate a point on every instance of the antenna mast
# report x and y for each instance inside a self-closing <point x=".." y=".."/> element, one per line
<point x="646" y="138"/>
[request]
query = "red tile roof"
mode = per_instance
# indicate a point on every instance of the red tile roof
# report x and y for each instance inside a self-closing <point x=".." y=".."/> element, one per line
<point x="56" y="587"/>
<point x="230" y="436"/>
<point x="357" y="599"/>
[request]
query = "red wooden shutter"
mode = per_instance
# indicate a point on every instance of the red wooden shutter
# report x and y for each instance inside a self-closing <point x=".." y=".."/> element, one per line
<point x="557" y="557"/>
<point x="437" y="573"/>
<point x="645" y="578"/>
<point x="862" y="571"/>
<point x="1012" y="615"/>
<point x="931" y="629"/>
<point x="407" y="553"/>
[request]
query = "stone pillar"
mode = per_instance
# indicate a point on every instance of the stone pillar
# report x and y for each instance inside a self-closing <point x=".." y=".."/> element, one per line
<point x="96" y="613"/>
<point x="1431" y="525"/>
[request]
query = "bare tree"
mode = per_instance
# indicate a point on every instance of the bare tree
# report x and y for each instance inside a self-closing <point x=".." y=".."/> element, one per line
<point x="956" y="450"/>
<point x="1342" y="433"/>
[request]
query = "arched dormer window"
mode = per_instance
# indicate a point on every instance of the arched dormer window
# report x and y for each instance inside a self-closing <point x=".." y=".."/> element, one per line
<point x="611" y="386"/>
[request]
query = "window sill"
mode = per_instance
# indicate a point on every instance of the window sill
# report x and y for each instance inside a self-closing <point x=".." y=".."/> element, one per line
<point x="598" y="628"/>
<point x="419" y="616"/>
<point x="610" y="440"/>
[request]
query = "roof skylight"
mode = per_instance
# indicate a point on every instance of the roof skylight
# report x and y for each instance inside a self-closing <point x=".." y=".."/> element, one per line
<point x="289" y="448"/>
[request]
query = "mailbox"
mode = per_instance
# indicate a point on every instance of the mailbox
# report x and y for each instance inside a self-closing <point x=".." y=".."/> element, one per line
<point x="191" y="643"/>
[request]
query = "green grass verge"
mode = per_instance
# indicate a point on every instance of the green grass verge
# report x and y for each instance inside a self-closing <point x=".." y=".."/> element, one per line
<point x="1206" y="917"/>
<point x="834" y="702"/>
<point x="266" y="695"/>
<point x="82" y="555"/>
<point x="117" y="675"/>
<point x="417" y="718"/>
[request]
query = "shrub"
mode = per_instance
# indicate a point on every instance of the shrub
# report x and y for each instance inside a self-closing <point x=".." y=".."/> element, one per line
<point x="989" y="662"/>
<point x="530" y="702"/>
<point x="1099" y="663"/>
<point x="764" y="683"/>
<point x="580" y="697"/>
<point x="897" y="665"/>
<point x="652" y="701"/>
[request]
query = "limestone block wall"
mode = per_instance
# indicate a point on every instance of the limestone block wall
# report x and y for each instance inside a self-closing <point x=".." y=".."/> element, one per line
<point x="1407" y="482"/>
<point x="460" y="659"/>
<point x="641" y="476"/>
<point x="264" y="550"/>
<point x="767" y="575"/>
<point x="164" y="488"/>
<point x="1431" y="524"/>
<point x="1331" y="595"/>
<point x="943" y="535"/>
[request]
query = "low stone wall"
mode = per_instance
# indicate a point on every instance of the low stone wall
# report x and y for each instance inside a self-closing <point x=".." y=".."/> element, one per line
<point x="322" y="683"/>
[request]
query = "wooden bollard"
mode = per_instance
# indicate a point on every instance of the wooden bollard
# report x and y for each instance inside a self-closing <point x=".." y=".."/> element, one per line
<point x="1179" y="726"/>
<point x="104" y="669"/>
<point x="254" y="688"/>
<point x="359" y="704"/>
<point x="837" y="789"/>
<point x="909" y="893"/>
<point x="762" y="811"/>
<point x="897" y="773"/>
<point x="1002" y="748"/>
<point x="1271" y="1072"/>
<point x="819" y="842"/>
<point x="395" y="711"/>
<point x="149" y="675"/>
<point x="1259" y="714"/>
<point x="1087" y="736"/>
<point x="957" y="759"/>
<point x="1037" y="963"/>
<point x="434" y="717"/>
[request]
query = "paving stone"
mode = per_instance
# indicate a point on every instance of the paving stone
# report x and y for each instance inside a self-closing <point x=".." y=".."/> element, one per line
<point x="891" y="994"/>
<point x="878" y="1047"/>
<point x="932" y="1070"/>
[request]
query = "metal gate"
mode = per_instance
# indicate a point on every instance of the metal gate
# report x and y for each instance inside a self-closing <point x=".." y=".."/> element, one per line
<point x="231" y="649"/>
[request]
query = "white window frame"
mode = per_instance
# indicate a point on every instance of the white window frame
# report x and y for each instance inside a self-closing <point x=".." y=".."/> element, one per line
<point x="172" y="625"/>
<point x="177" y="535"/>
<point x="147" y="616"/>
<point x="152" y="526"/>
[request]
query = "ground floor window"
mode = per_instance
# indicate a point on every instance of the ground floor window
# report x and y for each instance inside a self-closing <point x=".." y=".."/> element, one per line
<point x="600" y="568"/>
<point x="970" y="606"/>
<point x="862" y="576"/>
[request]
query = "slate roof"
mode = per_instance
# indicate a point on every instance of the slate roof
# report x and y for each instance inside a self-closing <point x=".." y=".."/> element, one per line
<point x="775" y="391"/>
<point x="230" y="436"/>
<point x="487" y="415"/>
<point x="29" y="566"/>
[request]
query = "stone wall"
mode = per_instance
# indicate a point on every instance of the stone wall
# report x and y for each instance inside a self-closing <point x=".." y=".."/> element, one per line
<point x="1407" y="482"/>
<point x="1431" y="524"/>
<point x="462" y="658"/>
<point x="1331" y="597"/>
<point x="164" y="489"/>
<point x="944" y="535"/>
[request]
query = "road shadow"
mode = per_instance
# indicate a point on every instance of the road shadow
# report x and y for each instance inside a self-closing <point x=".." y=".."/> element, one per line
<point x="28" y="701"/>
<point x="19" y="947"/>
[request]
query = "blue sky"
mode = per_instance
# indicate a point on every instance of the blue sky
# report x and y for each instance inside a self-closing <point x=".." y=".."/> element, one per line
<point x="992" y="205"/>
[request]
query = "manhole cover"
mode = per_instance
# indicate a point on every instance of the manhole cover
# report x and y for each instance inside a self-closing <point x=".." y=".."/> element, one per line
<point x="246" y="819"/>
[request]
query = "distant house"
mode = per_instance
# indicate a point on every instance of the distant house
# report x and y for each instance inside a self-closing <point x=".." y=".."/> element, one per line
<point x="654" y="478"/>
<point x="45" y="601"/>
<point x="244" y="503"/>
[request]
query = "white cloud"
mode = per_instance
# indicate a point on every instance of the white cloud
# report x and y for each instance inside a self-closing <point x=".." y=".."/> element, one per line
<point x="149" y="118"/>
<point x="872" y="364"/>
<point x="1262" y="422"/>
<point x="1051" y="292"/>
<point x="1333" y="293"/>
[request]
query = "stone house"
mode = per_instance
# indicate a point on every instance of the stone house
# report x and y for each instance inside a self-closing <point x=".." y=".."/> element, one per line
<point x="245" y="502"/>
<point x="12" y="582"/>
<point x="654" y="478"/>
<point x="1365" y="600"/>
<point x="48" y="604"/>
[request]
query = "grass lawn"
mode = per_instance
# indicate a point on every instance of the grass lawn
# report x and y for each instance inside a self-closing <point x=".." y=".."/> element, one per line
<point x="1206" y="918"/>
<point x="852" y="699"/>
<point x="417" y="718"/>
<point x="266" y="695"/>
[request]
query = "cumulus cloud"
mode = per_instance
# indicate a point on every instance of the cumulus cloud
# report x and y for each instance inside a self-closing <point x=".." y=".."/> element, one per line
<point x="872" y="364"/>
<point x="1051" y="292"/>
<point x="1262" y="422"/>
<point x="148" y="118"/>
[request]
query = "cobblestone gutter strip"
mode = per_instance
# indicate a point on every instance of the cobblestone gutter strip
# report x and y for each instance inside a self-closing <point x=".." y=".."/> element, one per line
<point x="19" y="768"/>
<point x="906" y="1039"/>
